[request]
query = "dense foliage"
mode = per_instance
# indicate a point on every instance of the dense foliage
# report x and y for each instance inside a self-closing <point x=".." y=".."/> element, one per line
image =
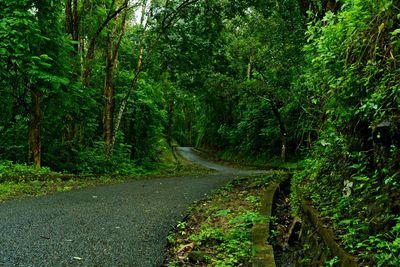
<point x="352" y="82"/>
<point x="107" y="86"/>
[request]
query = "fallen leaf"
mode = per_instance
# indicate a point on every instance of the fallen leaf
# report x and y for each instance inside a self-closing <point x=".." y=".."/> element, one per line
<point x="187" y="247"/>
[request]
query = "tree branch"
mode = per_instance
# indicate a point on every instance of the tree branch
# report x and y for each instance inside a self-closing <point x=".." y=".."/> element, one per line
<point x="173" y="15"/>
<point x="92" y="42"/>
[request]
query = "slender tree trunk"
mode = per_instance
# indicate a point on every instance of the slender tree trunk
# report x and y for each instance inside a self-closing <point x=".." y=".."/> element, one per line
<point x="111" y="63"/>
<point x="275" y="110"/>
<point x="68" y="17"/>
<point x="170" y="120"/>
<point x="72" y="23"/>
<point x="75" y="24"/>
<point x="122" y="107"/>
<point x="282" y="130"/>
<point x="82" y="53"/>
<point x="35" y="127"/>
<point x="135" y="79"/>
<point x="108" y="112"/>
<point x="166" y="22"/>
<point x="249" y="67"/>
<point x="132" y="139"/>
<point x="72" y="29"/>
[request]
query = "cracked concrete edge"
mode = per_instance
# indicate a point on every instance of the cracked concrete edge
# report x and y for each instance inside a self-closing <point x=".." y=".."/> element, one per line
<point x="328" y="236"/>
<point x="263" y="253"/>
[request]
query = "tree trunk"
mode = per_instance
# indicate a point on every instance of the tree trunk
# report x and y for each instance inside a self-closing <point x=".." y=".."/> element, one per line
<point x="35" y="127"/>
<point x="282" y="130"/>
<point x="249" y="67"/>
<point x="72" y="23"/>
<point x="135" y="79"/>
<point x="72" y="29"/>
<point x="166" y="22"/>
<point x="111" y="63"/>
<point x="75" y="24"/>
<point x="275" y="104"/>
<point x="132" y="140"/>
<point x="170" y="120"/>
<point x="108" y="112"/>
<point x="68" y="17"/>
<point x="122" y="107"/>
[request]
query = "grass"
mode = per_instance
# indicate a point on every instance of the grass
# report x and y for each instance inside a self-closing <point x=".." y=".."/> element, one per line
<point x="17" y="189"/>
<point x="217" y="231"/>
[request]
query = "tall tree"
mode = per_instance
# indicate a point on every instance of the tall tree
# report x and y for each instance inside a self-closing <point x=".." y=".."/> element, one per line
<point x="32" y="48"/>
<point x="113" y="40"/>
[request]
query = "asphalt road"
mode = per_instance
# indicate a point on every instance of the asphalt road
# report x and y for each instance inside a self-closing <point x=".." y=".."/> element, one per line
<point x="118" y="225"/>
<point x="189" y="154"/>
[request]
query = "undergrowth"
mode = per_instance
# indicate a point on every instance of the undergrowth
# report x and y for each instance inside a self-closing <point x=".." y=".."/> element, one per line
<point x="352" y="173"/>
<point x="218" y="230"/>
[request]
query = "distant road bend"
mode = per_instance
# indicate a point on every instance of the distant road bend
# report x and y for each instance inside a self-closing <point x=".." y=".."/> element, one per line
<point x="117" y="225"/>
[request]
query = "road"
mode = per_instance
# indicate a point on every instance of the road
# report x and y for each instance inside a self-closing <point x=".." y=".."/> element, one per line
<point x="117" y="225"/>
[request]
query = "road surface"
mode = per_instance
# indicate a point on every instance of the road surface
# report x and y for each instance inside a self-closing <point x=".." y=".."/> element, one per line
<point x="117" y="225"/>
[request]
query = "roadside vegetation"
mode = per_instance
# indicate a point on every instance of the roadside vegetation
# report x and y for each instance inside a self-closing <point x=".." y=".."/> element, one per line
<point x="218" y="230"/>
<point x="352" y="172"/>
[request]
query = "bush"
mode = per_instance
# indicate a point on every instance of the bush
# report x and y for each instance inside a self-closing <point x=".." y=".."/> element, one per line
<point x="94" y="161"/>
<point x="23" y="173"/>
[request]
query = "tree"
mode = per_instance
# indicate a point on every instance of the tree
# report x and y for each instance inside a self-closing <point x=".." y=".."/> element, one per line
<point x="113" y="44"/>
<point x="32" y="44"/>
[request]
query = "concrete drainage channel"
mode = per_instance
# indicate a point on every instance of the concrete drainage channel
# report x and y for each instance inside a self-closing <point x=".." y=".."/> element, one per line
<point x="264" y="252"/>
<point x="317" y="243"/>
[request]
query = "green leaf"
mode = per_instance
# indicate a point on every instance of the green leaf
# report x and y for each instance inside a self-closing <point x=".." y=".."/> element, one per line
<point x="222" y="213"/>
<point x="381" y="27"/>
<point x="395" y="32"/>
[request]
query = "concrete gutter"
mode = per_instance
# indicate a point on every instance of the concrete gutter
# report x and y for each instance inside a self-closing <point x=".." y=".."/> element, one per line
<point x="328" y="237"/>
<point x="263" y="253"/>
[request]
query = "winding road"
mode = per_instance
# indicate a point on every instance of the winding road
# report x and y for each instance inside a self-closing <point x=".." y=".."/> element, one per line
<point x="117" y="225"/>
